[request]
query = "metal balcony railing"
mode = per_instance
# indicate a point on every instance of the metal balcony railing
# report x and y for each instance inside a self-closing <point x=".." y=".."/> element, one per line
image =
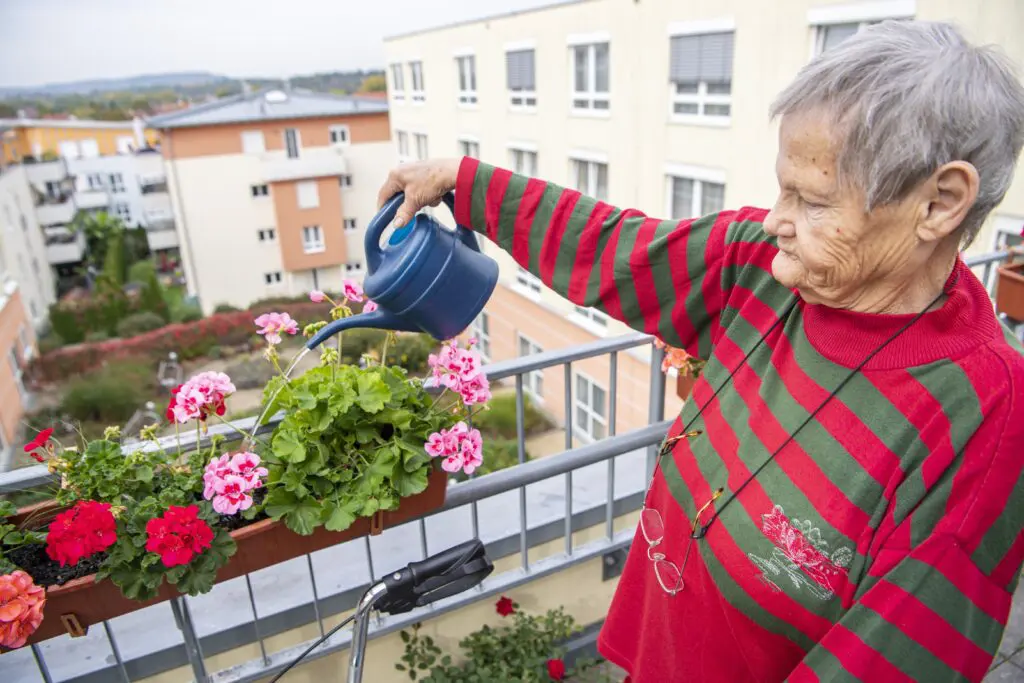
<point x="308" y="590"/>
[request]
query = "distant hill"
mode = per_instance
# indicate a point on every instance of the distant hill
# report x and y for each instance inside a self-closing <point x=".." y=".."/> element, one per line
<point x="188" y="79"/>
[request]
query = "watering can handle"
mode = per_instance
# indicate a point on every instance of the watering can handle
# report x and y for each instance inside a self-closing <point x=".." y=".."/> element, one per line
<point x="387" y="214"/>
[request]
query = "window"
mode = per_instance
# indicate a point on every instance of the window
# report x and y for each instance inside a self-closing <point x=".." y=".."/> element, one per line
<point x="94" y="182"/>
<point x="345" y="180"/>
<point x="590" y="177"/>
<point x="267" y="235"/>
<point x="524" y="162"/>
<point x="528" y="281"/>
<point x="590" y="68"/>
<point x="592" y="317"/>
<point x="416" y="69"/>
<point x="533" y="382"/>
<point x="12" y="357"/>
<point x="421" y="145"/>
<point x="830" y="36"/>
<point x="339" y="135"/>
<point x="700" y="71"/>
<point x="691" y="198"/>
<point x="292" y="142"/>
<point x="402" y="139"/>
<point x="590" y="401"/>
<point x="273" y="278"/>
<point x="312" y="239"/>
<point x="308" y="195"/>
<point x="397" y="83"/>
<point x="520" y="74"/>
<point x="259" y="190"/>
<point x="354" y="267"/>
<point x="253" y="142"/>
<point x="350" y="225"/>
<point x="469" y="148"/>
<point x="116" y="182"/>
<point x="481" y="329"/>
<point x="124" y="144"/>
<point x="26" y="348"/>
<point x="89" y="148"/>
<point x="123" y="211"/>
<point x="68" y="149"/>
<point x="466" y="66"/>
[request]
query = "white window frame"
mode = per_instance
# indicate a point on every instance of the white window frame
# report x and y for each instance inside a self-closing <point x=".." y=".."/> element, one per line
<point x="267" y="234"/>
<point x="700" y="175"/>
<point x="272" y="279"/>
<point x="481" y="329"/>
<point x="307" y="194"/>
<point x="340" y="135"/>
<point x="116" y="182"/>
<point x="469" y="146"/>
<point x="94" y="182"/>
<point x="701" y="97"/>
<point x="860" y="13"/>
<point x="89" y="148"/>
<point x="518" y="154"/>
<point x="253" y="142"/>
<point x="259" y="190"/>
<point x="591" y="95"/>
<point x="345" y="181"/>
<point x="522" y="100"/>
<point x="313" y="239"/>
<point x="402" y="142"/>
<point x="122" y="210"/>
<point x="533" y="381"/>
<point x="124" y="144"/>
<point x="465" y="71"/>
<point x="590" y="319"/>
<point x="350" y="224"/>
<point x="592" y="161"/>
<point x="17" y="372"/>
<point x="397" y="70"/>
<point x="528" y="284"/>
<point x="417" y="93"/>
<point x="26" y="346"/>
<point x="68" y="149"/>
<point x="585" y="432"/>
<point x="298" y="142"/>
<point x="423" y="153"/>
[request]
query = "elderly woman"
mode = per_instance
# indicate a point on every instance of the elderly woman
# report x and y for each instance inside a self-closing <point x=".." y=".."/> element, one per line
<point x="843" y="497"/>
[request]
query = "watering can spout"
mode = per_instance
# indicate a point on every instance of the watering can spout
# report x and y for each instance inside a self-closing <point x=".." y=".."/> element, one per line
<point x="379" y="319"/>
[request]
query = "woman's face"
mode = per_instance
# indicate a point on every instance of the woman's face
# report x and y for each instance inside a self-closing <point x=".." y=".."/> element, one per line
<point x="830" y="248"/>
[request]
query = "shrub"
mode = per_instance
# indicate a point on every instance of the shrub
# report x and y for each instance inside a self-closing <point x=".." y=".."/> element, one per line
<point x="225" y="308"/>
<point x="139" y="323"/>
<point x="250" y="373"/>
<point x="97" y="336"/>
<point x="111" y="394"/>
<point x="357" y="342"/>
<point x="500" y="420"/>
<point x="140" y="271"/>
<point x="66" y="325"/>
<point x="189" y="313"/>
<point x="152" y="297"/>
<point x="411" y="351"/>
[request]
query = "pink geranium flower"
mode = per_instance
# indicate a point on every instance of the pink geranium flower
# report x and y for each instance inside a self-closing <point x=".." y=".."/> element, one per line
<point x="460" y="448"/>
<point x="461" y="370"/>
<point x="232" y="495"/>
<point x="201" y="396"/>
<point x="353" y="290"/>
<point x="370" y="306"/>
<point x="316" y="296"/>
<point x="229" y="480"/>
<point x="273" y="324"/>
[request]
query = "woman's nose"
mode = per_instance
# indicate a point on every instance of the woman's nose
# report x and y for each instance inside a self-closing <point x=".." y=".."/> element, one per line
<point x="777" y="224"/>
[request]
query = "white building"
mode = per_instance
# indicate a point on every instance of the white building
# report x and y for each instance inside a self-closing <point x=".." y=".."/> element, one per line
<point x="272" y="191"/>
<point x="656" y="105"/>
<point x="23" y="249"/>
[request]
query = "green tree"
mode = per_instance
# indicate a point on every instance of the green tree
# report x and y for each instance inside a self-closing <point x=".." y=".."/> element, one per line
<point x="99" y="229"/>
<point x="153" y="297"/>
<point x="115" y="264"/>
<point x="374" y="83"/>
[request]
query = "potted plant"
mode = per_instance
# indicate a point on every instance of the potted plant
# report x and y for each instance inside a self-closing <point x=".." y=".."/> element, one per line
<point x="1010" y="289"/>
<point x="360" y="448"/>
<point x="688" y="368"/>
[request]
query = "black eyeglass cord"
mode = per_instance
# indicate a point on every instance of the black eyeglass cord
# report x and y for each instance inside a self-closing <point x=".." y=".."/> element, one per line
<point x="703" y="529"/>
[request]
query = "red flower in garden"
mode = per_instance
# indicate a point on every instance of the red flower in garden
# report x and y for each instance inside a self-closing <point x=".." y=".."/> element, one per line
<point x="178" y="536"/>
<point x="39" y="443"/>
<point x="86" y="529"/>
<point x="505" y="606"/>
<point x="556" y="669"/>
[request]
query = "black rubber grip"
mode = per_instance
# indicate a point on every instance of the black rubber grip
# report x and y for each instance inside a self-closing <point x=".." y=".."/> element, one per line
<point x="439" y="576"/>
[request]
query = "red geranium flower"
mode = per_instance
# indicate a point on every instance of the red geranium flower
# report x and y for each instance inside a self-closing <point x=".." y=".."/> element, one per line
<point x="556" y="669"/>
<point x="505" y="606"/>
<point x="84" y="530"/>
<point x="178" y="536"/>
<point x="39" y="443"/>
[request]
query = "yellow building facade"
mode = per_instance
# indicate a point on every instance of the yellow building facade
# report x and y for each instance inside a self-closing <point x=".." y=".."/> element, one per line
<point x="21" y="138"/>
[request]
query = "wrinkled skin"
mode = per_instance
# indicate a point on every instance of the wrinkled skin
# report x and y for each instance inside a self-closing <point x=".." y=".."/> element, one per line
<point x="894" y="259"/>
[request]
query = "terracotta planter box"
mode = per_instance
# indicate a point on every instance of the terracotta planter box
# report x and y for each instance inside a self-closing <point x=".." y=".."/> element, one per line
<point x="1010" y="288"/>
<point x="81" y="603"/>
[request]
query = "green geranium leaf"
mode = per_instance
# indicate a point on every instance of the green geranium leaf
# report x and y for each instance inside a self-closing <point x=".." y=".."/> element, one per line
<point x="409" y="483"/>
<point x="144" y="473"/>
<point x="287" y="446"/>
<point x="373" y="393"/>
<point x="339" y="517"/>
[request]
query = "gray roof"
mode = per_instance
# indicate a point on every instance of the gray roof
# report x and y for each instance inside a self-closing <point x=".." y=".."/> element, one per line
<point x="269" y="106"/>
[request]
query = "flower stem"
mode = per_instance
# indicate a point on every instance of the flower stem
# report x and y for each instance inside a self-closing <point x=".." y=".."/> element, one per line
<point x="384" y="352"/>
<point x="245" y="437"/>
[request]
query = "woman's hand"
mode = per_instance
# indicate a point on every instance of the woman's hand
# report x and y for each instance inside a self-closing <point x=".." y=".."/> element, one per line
<point x="423" y="182"/>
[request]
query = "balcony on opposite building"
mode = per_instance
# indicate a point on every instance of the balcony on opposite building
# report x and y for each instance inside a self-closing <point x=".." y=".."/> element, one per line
<point x="64" y="246"/>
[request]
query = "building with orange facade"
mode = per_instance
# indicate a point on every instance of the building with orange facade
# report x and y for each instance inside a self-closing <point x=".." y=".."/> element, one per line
<point x="272" y="191"/>
<point x="33" y="139"/>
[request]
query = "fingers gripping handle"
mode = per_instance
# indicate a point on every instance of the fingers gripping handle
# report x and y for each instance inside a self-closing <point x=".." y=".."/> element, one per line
<point x="439" y="576"/>
<point x="380" y="222"/>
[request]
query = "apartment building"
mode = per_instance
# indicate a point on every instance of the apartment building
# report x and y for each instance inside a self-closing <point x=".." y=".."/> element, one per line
<point x="24" y="138"/>
<point x="655" y="105"/>
<point x="272" y="191"/>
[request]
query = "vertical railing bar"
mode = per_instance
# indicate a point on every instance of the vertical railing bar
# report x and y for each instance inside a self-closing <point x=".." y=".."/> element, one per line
<point x="613" y="380"/>
<point x="316" y="596"/>
<point x="656" y="403"/>
<point x="116" y="651"/>
<point x="369" y="559"/>
<point x="568" y="447"/>
<point x="256" y="620"/>
<point x="188" y="632"/>
<point x="474" y="512"/>
<point x="44" y="671"/>
<point x="521" y="441"/>
<point x="423" y="538"/>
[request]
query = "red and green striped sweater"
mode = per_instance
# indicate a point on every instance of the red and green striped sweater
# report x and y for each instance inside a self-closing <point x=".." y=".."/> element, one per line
<point x="884" y="542"/>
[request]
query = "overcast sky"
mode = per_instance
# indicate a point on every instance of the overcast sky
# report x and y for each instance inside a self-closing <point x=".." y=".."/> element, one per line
<point x="47" y="41"/>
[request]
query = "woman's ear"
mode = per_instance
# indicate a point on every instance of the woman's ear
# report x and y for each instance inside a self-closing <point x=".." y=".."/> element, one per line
<point x="948" y="195"/>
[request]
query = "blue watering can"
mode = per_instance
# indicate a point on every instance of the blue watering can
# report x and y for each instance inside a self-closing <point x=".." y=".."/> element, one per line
<point x="427" y="278"/>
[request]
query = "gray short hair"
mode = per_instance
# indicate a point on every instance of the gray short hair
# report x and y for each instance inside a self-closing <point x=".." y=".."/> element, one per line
<point x="909" y="96"/>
